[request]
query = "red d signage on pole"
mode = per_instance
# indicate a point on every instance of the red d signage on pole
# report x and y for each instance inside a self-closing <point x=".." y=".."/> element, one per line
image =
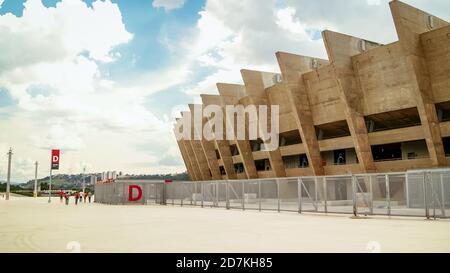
<point x="55" y="159"/>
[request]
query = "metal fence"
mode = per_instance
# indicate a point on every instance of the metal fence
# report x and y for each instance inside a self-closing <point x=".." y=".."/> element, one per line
<point x="417" y="193"/>
<point x="119" y="193"/>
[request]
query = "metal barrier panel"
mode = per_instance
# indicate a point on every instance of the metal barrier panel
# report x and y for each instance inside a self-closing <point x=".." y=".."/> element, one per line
<point x="188" y="194"/>
<point x="197" y="194"/>
<point x="380" y="195"/>
<point x="170" y="194"/>
<point x="398" y="199"/>
<point x="252" y="196"/>
<point x="308" y="194"/>
<point x="209" y="191"/>
<point x="121" y="193"/>
<point x="339" y="195"/>
<point x="235" y="195"/>
<point x="415" y="191"/>
<point x="445" y="185"/>
<point x="269" y="195"/>
<point x="222" y="194"/>
<point x="289" y="194"/>
<point x="437" y="194"/>
<point x="321" y="196"/>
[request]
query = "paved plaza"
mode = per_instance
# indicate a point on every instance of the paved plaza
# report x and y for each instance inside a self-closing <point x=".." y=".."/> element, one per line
<point x="32" y="225"/>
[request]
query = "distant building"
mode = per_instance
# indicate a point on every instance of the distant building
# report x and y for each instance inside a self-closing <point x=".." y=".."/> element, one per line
<point x="368" y="108"/>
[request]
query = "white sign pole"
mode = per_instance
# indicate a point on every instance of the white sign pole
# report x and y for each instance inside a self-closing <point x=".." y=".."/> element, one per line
<point x="84" y="180"/>
<point x="35" y="193"/>
<point x="8" y="177"/>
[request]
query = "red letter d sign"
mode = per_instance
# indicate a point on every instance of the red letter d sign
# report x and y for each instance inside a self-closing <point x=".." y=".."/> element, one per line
<point x="131" y="196"/>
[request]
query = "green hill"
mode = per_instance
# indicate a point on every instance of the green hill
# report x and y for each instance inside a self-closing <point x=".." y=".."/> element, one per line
<point x="75" y="182"/>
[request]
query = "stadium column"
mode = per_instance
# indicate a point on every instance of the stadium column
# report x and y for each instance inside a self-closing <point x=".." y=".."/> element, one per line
<point x="222" y="144"/>
<point x="190" y="158"/>
<point x="340" y="49"/>
<point x="256" y="83"/>
<point x="198" y="153"/>
<point x="190" y="155"/>
<point x="292" y="67"/>
<point x="207" y="146"/>
<point x="410" y="23"/>
<point x="187" y="163"/>
<point x="230" y="95"/>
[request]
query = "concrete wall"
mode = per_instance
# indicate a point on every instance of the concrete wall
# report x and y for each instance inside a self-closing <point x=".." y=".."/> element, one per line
<point x="436" y="45"/>
<point x="324" y="97"/>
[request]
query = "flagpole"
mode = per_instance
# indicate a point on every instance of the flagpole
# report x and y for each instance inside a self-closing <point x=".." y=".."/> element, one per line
<point x="84" y="179"/>
<point x="50" y="184"/>
<point x="35" y="193"/>
<point x="8" y="177"/>
<point x="50" y="187"/>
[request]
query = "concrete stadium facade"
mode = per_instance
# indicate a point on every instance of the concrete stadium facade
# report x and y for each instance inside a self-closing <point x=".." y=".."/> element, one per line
<point x="368" y="108"/>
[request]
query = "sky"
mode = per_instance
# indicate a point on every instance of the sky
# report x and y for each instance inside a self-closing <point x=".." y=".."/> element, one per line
<point x="103" y="80"/>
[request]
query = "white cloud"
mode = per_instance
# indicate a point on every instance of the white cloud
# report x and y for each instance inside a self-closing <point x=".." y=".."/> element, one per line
<point x="168" y="5"/>
<point x="234" y="34"/>
<point x="374" y="2"/>
<point x="370" y="19"/>
<point x="50" y="34"/>
<point x="49" y="63"/>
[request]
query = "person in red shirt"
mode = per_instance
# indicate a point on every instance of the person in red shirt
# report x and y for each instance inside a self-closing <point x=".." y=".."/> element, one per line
<point x="67" y="196"/>
<point x="61" y="196"/>
<point x="77" y="196"/>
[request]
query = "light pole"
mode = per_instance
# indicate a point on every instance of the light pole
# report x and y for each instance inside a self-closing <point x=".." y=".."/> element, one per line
<point x="8" y="178"/>
<point x="35" y="193"/>
<point x="50" y="186"/>
<point x="84" y="179"/>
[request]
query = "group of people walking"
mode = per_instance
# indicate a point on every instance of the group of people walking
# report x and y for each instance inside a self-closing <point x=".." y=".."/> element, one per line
<point x="78" y="197"/>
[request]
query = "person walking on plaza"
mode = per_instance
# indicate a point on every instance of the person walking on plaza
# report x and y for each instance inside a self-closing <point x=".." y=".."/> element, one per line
<point x="89" y="196"/>
<point x="77" y="196"/>
<point x="85" y="196"/>
<point x="67" y="197"/>
<point x="61" y="195"/>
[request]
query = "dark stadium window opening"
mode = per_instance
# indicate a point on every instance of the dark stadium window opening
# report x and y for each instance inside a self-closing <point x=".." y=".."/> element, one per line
<point x="262" y="165"/>
<point x="239" y="168"/>
<point x="332" y="130"/>
<point x="339" y="157"/>
<point x="400" y="151"/>
<point x="222" y="171"/>
<point x="443" y="111"/>
<point x="234" y="150"/>
<point x="446" y="142"/>
<point x="218" y="154"/>
<point x="296" y="161"/>
<point x="393" y="120"/>
<point x="290" y="138"/>
<point x="256" y="145"/>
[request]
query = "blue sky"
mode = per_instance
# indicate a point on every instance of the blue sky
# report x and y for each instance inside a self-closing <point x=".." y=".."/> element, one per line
<point x="144" y="53"/>
<point x="103" y="79"/>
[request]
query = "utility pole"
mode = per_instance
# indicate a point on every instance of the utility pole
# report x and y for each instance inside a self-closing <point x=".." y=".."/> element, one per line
<point x="8" y="178"/>
<point x="84" y="179"/>
<point x="50" y="186"/>
<point x="35" y="193"/>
